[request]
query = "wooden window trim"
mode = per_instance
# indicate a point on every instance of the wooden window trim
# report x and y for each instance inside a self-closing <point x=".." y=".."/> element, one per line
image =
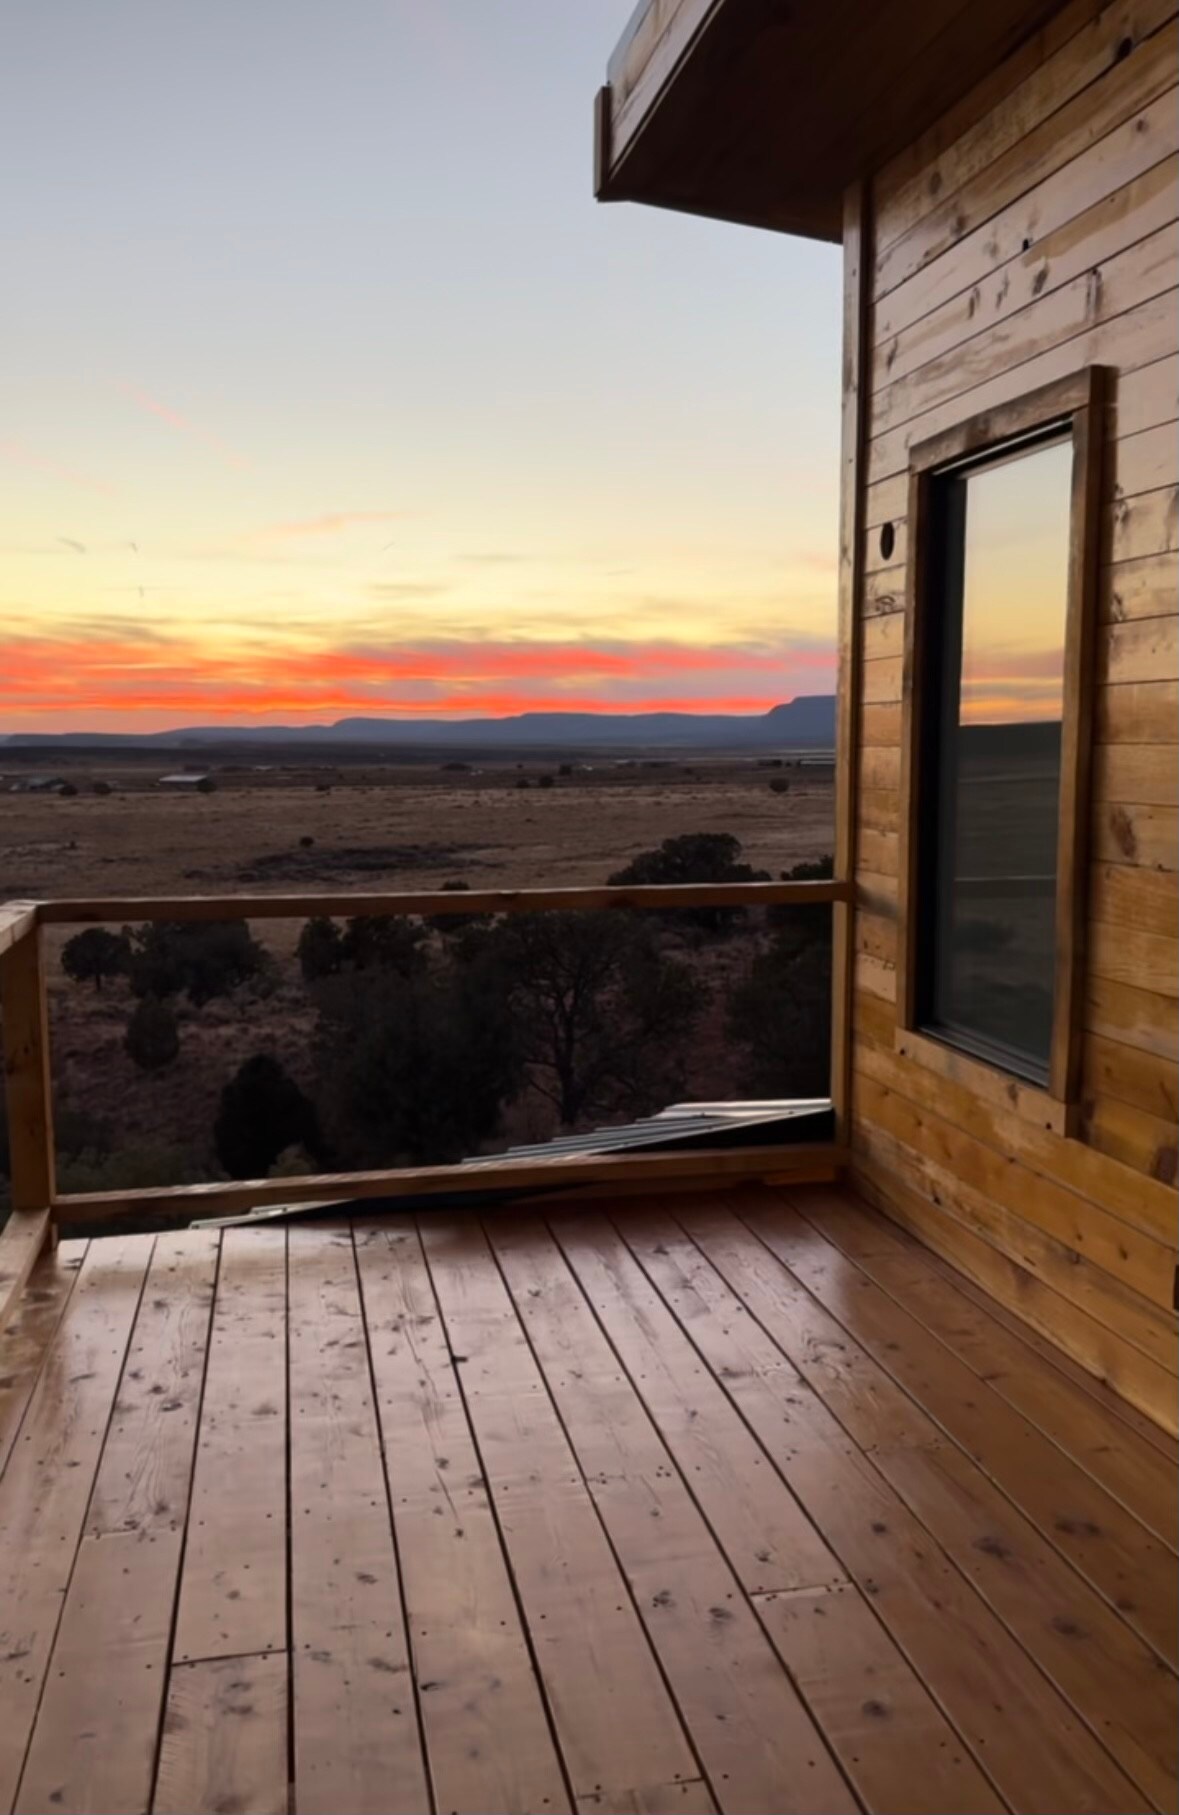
<point x="1077" y="403"/>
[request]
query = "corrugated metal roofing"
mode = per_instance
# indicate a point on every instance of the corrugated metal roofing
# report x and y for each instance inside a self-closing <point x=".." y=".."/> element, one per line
<point x="678" y="1123"/>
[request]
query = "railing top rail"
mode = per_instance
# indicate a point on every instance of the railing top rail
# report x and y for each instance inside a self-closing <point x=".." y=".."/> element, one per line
<point x="17" y="920"/>
<point x="240" y="906"/>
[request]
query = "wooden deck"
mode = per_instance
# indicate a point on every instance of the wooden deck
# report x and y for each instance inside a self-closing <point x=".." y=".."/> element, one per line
<point x="740" y="1502"/>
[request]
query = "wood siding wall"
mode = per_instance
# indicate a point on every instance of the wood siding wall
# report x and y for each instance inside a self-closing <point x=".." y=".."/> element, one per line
<point x="1032" y="232"/>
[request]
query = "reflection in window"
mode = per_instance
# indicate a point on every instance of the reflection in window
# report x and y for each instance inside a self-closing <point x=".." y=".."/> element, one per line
<point x="992" y="751"/>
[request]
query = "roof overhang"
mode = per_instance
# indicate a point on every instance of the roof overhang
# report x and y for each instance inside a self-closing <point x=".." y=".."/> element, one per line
<point x="764" y="111"/>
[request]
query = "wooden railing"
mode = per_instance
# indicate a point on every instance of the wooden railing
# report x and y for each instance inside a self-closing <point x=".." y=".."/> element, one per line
<point x="25" y="1025"/>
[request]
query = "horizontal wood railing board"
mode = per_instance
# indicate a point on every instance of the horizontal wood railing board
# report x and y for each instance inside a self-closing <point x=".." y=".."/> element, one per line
<point x="508" y="1175"/>
<point x="438" y="901"/>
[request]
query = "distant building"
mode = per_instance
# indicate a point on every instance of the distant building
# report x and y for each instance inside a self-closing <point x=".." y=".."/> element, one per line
<point x="37" y="784"/>
<point x="186" y="779"/>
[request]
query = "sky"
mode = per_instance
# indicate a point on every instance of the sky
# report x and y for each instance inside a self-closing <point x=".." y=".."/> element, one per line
<point x="326" y="388"/>
<point x="1015" y="587"/>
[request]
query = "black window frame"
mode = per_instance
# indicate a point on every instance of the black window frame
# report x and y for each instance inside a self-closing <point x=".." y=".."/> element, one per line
<point x="1071" y="409"/>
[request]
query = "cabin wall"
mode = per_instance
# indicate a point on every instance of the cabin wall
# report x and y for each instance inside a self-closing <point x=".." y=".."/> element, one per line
<point x="1033" y="232"/>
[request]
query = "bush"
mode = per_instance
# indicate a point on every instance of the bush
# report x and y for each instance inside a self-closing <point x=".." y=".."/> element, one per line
<point x="600" y="1015"/>
<point x="415" y="1068"/>
<point x="320" y="950"/>
<point x="95" y="955"/>
<point x="780" y="1016"/>
<point x="206" y="785"/>
<point x="779" y="785"/>
<point x="384" y="942"/>
<point x="102" y="787"/>
<point x="456" y="923"/>
<point x="693" y="857"/>
<point x="152" y="1038"/>
<point x="67" y="790"/>
<point x="262" y="1113"/>
<point x="523" y="782"/>
<point x="546" y="781"/>
<point x="200" y="959"/>
<point x="306" y="842"/>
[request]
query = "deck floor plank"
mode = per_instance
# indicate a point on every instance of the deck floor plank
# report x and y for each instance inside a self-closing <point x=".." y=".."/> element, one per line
<point x="757" y="1742"/>
<point x="490" y="1747"/>
<point x="224" y="1747"/>
<point x="616" y="1723"/>
<point x="766" y="1535"/>
<point x="93" y="1746"/>
<point x="1109" y="1676"/>
<point x="46" y="1487"/>
<point x="357" y="1744"/>
<point x="720" y="1503"/>
<point x="1134" y="1472"/>
<point x="875" y="1710"/>
<point x="1075" y="1515"/>
<point x="28" y="1336"/>
<point x="1020" y="1730"/>
<point x="233" y="1589"/>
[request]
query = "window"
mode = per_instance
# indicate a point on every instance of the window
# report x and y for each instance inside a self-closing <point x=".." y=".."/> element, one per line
<point x="1002" y="551"/>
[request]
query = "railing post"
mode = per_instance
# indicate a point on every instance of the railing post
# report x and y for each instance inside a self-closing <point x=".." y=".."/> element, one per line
<point x="857" y="341"/>
<point x="24" y="1019"/>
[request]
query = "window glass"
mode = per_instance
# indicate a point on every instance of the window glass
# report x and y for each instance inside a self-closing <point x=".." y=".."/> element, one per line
<point x="994" y="685"/>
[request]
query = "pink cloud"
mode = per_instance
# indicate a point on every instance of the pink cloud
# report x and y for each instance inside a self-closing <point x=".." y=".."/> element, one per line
<point x="151" y="406"/>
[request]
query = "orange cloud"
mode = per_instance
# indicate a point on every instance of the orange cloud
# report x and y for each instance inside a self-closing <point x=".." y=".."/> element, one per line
<point x="74" y="679"/>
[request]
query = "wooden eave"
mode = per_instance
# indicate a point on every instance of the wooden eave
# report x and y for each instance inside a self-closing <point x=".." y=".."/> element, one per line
<point x="764" y="111"/>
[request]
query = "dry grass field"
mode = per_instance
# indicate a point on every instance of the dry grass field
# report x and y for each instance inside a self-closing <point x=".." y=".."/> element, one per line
<point x="371" y="825"/>
<point x="392" y="825"/>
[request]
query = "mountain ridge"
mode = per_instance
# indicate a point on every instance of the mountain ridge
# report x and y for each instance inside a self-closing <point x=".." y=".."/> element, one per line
<point x="808" y="719"/>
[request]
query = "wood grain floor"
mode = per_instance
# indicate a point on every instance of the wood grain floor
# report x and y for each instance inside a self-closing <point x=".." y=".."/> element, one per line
<point x="741" y="1502"/>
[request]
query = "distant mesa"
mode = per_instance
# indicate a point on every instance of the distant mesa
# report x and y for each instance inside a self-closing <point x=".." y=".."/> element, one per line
<point x="809" y="719"/>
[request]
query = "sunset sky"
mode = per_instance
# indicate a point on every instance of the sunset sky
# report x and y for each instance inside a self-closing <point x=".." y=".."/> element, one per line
<point x="328" y="388"/>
